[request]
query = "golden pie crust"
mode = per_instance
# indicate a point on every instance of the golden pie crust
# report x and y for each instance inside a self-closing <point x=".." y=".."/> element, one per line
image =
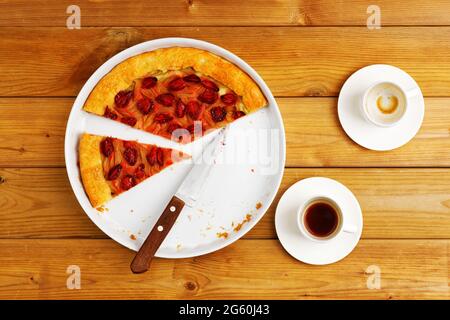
<point x="174" y="58"/>
<point x="91" y="169"/>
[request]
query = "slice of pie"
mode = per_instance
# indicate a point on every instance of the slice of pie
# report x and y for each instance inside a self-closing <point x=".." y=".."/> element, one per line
<point x="175" y="92"/>
<point x="110" y="166"/>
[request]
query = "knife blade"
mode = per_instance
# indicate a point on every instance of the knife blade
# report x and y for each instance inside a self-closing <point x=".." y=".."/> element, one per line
<point x="186" y="195"/>
<point x="192" y="185"/>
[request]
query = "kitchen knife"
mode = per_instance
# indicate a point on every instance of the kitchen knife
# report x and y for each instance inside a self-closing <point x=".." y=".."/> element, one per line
<point x="186" y="195"/>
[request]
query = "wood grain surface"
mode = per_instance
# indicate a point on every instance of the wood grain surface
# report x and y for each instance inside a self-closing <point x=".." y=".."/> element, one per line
<point x="56" y="61"/>
<point x="247" y="269"/>
<point x="224" y="13"/>
<point x="304" y="50"/>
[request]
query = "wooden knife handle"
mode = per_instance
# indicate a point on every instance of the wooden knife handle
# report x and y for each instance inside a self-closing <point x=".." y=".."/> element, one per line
<point x="141" y="261"/>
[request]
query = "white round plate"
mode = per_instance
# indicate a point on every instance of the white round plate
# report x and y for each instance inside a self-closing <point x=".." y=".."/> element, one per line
<point x="304" y="249"/>
<point x="362" y="131"/>
<point x="244" y="186"/>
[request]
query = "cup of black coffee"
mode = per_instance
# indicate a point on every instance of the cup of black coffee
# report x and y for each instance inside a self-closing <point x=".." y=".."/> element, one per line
<point x="321" y="219"/>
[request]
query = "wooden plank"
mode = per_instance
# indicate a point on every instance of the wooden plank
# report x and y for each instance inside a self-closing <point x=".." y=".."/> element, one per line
<point x="32" y="135"/>
<point x="40" y="203"/>
<point x="223" y="13"/>
<point x="32" y="131"/>
<point x="247" y="269"/>
<point x="293" y="61"/>
<point x="315" y="138"/>
<point x="396" y="203"/>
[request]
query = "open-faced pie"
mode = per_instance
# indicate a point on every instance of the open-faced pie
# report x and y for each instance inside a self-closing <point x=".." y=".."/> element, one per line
<point x="177" y="93"/>
<point x="188" y="89"/>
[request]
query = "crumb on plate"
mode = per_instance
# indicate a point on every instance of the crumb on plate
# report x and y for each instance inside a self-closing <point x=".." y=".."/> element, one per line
<point x="222" y="235"/>
<point x="102" y="209"/>
<point x="238" y="227"/>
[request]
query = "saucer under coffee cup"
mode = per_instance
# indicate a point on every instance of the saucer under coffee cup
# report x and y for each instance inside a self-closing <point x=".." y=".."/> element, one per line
<point x="304" y="246"/>
<point x="380" y="135"/>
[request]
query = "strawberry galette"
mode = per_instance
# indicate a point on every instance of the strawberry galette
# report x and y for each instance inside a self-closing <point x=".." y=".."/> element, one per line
<point x="172" y="88"/>
<point x="177" y="93"/>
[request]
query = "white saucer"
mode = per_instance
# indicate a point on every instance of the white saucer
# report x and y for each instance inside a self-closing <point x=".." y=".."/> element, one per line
<point x="365" y="133"/>
<point x="304" y="249"/>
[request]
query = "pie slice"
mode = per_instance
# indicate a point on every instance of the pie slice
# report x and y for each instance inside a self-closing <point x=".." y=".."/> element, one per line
<point x="175" y="92"/>
<point x="110" y="166"/>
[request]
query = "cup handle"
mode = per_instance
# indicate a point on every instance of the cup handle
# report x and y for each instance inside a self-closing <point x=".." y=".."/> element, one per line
<point x="350" y="228"/>
<point x="411" y="93"/>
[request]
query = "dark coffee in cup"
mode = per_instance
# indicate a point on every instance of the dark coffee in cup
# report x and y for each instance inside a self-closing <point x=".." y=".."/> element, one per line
<point x="321" y="219"/>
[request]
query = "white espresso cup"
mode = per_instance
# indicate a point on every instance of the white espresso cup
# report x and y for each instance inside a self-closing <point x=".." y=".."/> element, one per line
<point x="385" y="103"/>
<point x="309" y="231"/>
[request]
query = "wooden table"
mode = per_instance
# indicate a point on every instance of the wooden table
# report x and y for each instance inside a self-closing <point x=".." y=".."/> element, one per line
<point x="304" y="50"/>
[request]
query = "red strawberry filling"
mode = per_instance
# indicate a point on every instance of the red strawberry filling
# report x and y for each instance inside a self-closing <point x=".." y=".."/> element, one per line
<point x="229" y="98"/>
<point x="130" y="156"/>
<point x="131" y="121"/>
<point x="180" y="109"/>
<point x="210" y="85"/>
<point x="238" y="114"/>
<point x="173" y="126"/>
<point x="218" y="114"/>
<point x="123" y="98"/>
<point x="110" y="114"/>
<point x="162" y="118"/>
<point x="194" y="110"/>
<point x="114" y="172"/>
<point x="192" y="78"/>
<point x="107" y="147"/>
<point x="149" y="82"/>
<point x="128" y="182"/>
<point x="151" y="156"/>
<point x="144" y="105"/>
<point x="175" y="100"/>
<point x="165" y="99"/>
<point x="208" y="96"/>
<point x="140" y="171"/>
<point x="126" y="163"/>
<point x="176" y="84"/>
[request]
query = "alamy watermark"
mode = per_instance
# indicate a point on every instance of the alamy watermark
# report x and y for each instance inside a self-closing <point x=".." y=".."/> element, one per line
<point x="74" y="279"/>
<point x="374" y="19"/>
<point x="74" y="20"/>
<point x="374" y="278"/>
<point x="259" y="148"/>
